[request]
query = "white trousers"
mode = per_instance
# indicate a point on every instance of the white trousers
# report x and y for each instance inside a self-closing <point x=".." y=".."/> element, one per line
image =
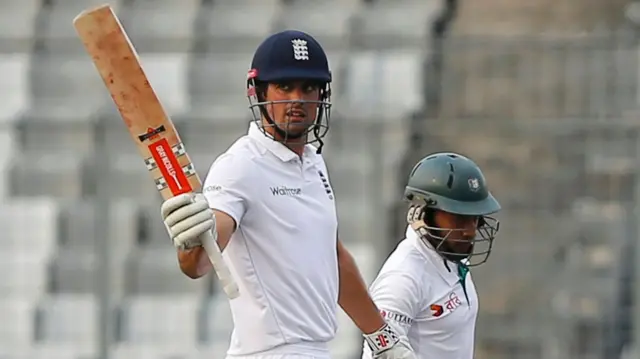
<point x="280" y="356"/>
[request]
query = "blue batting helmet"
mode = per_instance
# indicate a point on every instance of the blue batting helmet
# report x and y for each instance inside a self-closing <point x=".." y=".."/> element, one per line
<point x="290" y="56"/>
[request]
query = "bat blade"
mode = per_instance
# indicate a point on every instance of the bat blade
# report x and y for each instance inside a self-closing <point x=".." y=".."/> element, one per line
<point x="153" y="132"/>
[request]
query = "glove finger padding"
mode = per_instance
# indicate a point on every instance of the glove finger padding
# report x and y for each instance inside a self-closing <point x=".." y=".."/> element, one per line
<point x="191" y="237"/>
<point x="187" y="217"/>
<point x="415" y="213"/>
<point x="174" y="203"/>
<point x="186" y="211"/>
<point x="190" y="222"/>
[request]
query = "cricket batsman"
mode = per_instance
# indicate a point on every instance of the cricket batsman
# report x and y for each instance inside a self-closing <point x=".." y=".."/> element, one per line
<point x="269" y="202"/>
<point x="424" y="290"/>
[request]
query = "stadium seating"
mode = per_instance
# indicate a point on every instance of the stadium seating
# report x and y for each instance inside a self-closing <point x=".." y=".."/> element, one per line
<point x="14" y="89"/>
<point x="54" y="25"/>
<point x="163" y="26"/>
<point x="54" y="314"/>
<point x="155" y="271"/>
<point x="17" y="25"/>
<point x="51" y="175"/>
<point x="18" y="326"/>
<point x="42" y="133"/>
<point x="401" y="73"/>
<point x="330" y="24"/>
<point x="84" y="91"/>
<point x="64" y="149"/>
<point x="168" y="74"/>
<point x="404" y="24"/>
<point x="128" y="177"/>
<point x="237" y="26"/>
<point x="153" y="351"/>
<point x="171" y="319"/>
<point x="59" y="115"/>
<point x="220" y="79"/>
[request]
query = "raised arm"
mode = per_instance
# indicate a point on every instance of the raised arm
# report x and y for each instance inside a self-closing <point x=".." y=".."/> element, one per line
<point x="225" y="196"/>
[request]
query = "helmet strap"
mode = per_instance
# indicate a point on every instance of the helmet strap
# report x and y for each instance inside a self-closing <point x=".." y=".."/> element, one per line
<point x="324" y="95"/>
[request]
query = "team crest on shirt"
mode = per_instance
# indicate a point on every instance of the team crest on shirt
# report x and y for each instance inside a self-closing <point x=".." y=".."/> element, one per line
<point x="451" y="303"/>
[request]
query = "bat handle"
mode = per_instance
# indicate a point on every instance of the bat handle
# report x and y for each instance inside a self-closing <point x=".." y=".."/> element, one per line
<point x="229" y="285"/>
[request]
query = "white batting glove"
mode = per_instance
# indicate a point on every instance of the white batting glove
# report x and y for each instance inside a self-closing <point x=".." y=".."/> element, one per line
<point x="385" y="344"/>
<point x="187" y="217"/>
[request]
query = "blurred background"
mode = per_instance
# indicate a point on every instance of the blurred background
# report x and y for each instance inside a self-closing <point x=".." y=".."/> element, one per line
<point x="542" y="94"/>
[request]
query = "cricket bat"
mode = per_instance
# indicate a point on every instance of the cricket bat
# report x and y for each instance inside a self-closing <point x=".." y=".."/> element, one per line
<point x="151" y="129"/>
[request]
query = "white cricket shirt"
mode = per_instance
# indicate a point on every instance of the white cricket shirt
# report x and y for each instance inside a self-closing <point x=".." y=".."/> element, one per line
<point x="425" y="302"/>
<point x="284" y="251"/>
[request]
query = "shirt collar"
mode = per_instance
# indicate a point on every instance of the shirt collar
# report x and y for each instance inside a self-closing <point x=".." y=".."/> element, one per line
<point x="447" y="269"/>
<point x="278" y="149"/>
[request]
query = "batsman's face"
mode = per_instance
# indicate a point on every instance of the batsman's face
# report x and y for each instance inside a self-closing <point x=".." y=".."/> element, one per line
<point x="459" y="230"/>
<point x="295" y="104"/>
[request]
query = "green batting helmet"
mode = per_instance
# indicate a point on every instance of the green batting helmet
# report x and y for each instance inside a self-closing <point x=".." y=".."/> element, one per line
<point x="451" y="183"/>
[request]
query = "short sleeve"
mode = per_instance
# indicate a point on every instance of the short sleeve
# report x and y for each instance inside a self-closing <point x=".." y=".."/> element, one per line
<point x="399" y="296"/>
<point x="227" y="185"/>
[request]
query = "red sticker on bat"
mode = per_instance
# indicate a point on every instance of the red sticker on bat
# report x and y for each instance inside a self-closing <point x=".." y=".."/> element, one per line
<point x="169" y="167"/>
